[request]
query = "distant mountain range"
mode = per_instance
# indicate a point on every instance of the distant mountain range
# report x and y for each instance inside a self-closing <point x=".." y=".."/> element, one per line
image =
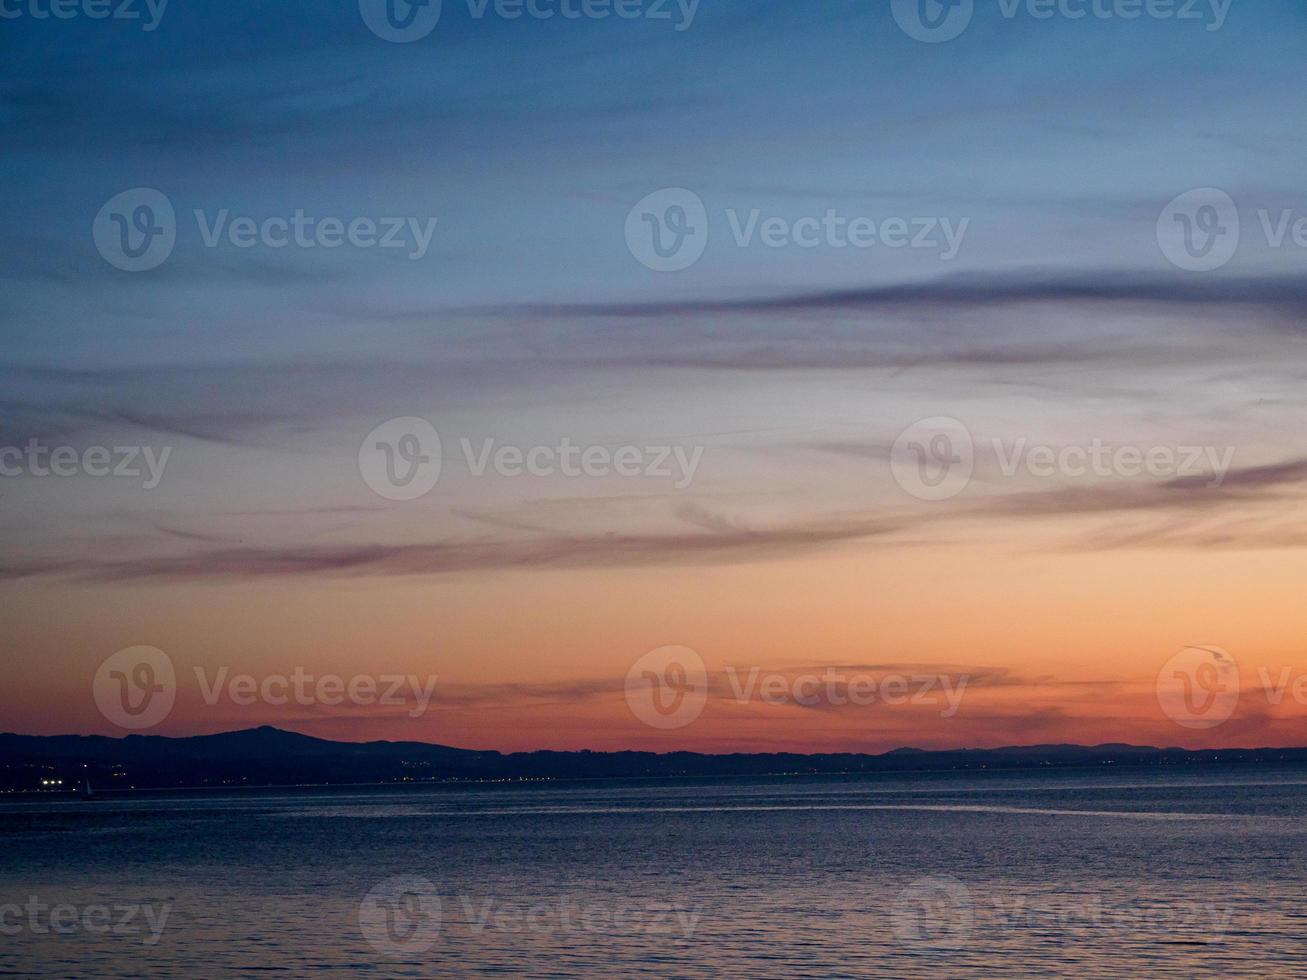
<point x="271" y="757"/>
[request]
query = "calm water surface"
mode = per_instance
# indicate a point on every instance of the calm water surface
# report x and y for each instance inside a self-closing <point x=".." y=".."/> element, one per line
<point x="1132" y="874"/>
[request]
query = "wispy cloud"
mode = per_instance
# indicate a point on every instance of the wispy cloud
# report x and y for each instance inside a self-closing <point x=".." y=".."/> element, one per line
<point x="709" y="537"/>
<point x="1282" y="297"/>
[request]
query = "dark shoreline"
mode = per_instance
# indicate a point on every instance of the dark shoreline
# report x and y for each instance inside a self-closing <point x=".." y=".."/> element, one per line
<point x="271" y="758"/>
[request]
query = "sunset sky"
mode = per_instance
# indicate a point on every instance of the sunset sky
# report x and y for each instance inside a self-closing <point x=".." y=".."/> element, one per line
<point x="788" y="373"/>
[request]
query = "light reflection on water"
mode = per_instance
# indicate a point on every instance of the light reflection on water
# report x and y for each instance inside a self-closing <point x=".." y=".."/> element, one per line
<point x="1191" y="873"/>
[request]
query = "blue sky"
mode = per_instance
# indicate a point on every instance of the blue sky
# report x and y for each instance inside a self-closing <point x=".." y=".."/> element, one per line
<point x="1056" y="143"/>
<point x="529" y="140"/>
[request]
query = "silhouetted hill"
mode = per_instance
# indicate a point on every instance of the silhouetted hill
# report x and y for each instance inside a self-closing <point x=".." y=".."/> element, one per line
<point x="270" y="756"/>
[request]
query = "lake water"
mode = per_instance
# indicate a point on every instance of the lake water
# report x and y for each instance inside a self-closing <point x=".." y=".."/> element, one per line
<point x="1135" y="873"/>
